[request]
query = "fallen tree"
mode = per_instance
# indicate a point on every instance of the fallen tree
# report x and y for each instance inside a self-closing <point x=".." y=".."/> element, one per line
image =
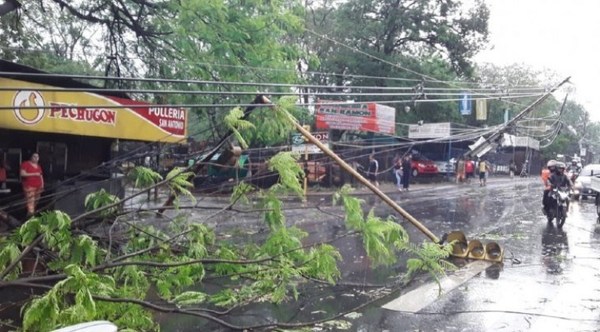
<point x="136" y="269"/>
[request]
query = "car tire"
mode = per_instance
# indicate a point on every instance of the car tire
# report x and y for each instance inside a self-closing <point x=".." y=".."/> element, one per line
<point x="415" y="172"/>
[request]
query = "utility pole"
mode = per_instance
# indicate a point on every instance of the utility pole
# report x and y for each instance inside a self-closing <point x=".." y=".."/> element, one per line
<point x="493" y="138"/>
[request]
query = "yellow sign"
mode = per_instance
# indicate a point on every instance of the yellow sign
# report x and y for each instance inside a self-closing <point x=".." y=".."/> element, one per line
<point x="87" y="114"/>
<point x="481" y="109"/>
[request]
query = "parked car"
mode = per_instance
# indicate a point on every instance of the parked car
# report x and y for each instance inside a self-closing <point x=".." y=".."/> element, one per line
<point x="582" y="186"/>
<point x="422" y="165"/>
<point x="446" y="167"/>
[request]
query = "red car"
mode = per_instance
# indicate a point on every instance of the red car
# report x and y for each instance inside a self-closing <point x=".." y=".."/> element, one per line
<point x="421" y="166"/>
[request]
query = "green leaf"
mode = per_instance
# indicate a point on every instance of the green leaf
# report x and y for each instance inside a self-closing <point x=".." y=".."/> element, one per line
<point x="290" y="172"/>
<point x="143" y="177"/>
<point x="235" y="122"/>
<point x="352" y="207"/>
<point x="188" y="298"/>
<point x="179" y="182"/>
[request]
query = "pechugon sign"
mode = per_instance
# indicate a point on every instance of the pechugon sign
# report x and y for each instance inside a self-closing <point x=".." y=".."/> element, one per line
<point x="87" y="114"/>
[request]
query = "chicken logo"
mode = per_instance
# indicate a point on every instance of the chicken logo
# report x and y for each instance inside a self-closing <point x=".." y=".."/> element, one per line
<point x="25" y="103"/>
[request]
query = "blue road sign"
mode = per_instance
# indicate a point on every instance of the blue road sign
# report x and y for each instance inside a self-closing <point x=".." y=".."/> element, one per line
<point x="465" y="105"/>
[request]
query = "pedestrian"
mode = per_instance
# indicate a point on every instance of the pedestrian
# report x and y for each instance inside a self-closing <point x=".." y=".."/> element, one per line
<point x="460" y="170"/>
<point x="524" y="170"/>
<point x="398" y="172"/>
<point x="406" y="168"/>
<point x="484" y="168"/>
<point x="33" y="182"/>
<point x="512" y="168"/>
<point x="373" y="170"/>
<point x="4" y="168"/>
<point x="547" y="171"/>
<point x="469" y="169"/>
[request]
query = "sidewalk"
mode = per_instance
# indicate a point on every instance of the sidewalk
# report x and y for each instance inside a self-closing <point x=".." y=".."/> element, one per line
<point x="390" y="187"/>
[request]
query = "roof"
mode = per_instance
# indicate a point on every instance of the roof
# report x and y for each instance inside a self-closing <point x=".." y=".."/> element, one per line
<point x="61" y="81"/>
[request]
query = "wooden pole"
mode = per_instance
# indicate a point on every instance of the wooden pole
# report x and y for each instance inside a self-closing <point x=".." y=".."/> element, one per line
<point x="306" y="170"/>
<point x="364" y="181"/>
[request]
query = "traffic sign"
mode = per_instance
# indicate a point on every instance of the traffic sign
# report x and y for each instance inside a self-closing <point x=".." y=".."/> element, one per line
<point x="465" y="105"/>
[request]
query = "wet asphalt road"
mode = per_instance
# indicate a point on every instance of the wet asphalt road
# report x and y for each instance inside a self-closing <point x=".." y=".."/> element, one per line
<point x="549" y="281"/>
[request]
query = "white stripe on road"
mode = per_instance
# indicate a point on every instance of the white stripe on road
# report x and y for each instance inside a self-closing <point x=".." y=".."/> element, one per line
<point x="419" y="298"/>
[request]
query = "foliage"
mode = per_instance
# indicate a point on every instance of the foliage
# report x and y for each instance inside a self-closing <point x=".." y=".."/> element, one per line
<point x="144" y="177"/>
<point x="97" y="281"/>
<point x="447" y="25"/>
<point x="286" y="165"/>
<point x="240" y="192"/>
<point x="235" y="122"/>
<point x="322" y="263"/>
<point x="56" y="308"/>
<point x="430" y="258"/>
<point x="9" y="252"/>
<point x="274" y="216"/>
<point x="53" y="226"/>
<point x="220" y="41"/>
<point x="250" y="41"/>
<point x="100" y="199"/>
<point x="75" y="255"/>
<point x="178" y="181"/>
<point x="382" y="238"/>
<point x="188" y="298"/>
<point x="271" y="125"/>
<point x="352" y="206"/>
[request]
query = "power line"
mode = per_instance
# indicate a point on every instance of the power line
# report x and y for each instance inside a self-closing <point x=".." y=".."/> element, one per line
<point x="229" y="83"/>
<point x="247" y="93"/>
<point x="354" y="49"/>
<point x="242" y="67"/>
<point x="193" y="105"/>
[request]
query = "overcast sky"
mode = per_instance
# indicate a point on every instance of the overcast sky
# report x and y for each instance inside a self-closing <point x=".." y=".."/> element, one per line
<point x="561" y="35"/>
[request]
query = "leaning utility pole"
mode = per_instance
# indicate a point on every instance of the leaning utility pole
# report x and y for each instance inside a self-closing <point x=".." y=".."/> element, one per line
<point x="494" y="137"/>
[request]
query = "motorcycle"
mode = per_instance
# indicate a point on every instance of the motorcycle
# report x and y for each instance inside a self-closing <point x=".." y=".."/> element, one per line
<point x="572" y="175"/>
<point x="559" y="206"/>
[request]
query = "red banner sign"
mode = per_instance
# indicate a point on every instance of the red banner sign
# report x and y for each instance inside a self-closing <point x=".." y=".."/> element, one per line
<point x="169" y="119"/>
<point x="361" y="117"/>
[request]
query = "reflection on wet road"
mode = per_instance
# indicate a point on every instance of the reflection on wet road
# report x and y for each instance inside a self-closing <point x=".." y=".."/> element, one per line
<point x="550" y="280"/>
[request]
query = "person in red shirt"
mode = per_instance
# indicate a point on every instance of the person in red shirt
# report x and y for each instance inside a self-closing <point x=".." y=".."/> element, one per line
<point x="469" y="169"/>
<point x="33" y="182"/>
<point x="3" y="168"/>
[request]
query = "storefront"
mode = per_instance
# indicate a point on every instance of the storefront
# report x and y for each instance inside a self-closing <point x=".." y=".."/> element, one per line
<point x="74" y="129"/>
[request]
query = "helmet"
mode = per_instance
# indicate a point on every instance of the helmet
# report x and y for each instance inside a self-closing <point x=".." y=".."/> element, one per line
<point x="551" y="163"/>
<point x="560" y="166"/>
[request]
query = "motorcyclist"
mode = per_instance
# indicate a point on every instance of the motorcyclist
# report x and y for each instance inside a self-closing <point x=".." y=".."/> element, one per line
<point x="574" y="167"/>
<point x="573" y="170"/>
<point x="547" y="172"/>
<point x="559" y="179"/>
